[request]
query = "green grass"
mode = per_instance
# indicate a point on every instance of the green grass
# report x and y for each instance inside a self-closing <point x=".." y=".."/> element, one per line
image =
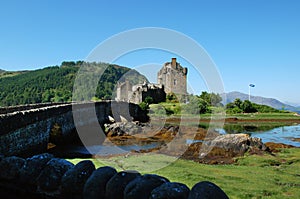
<point x="170" y="108"/>
<point x="277" y="116"/>
<point x="251" y="177"/>
<point x="176" y="109"/>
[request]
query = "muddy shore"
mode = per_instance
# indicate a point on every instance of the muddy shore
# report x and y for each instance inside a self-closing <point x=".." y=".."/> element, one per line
<point x="173" y="137"/>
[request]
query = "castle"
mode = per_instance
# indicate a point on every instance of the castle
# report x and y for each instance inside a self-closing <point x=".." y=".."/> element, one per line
<point x="172" y="78"/>
<point x="138" y="93"/>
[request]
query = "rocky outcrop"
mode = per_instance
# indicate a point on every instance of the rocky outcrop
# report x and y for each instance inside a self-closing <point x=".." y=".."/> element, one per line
<point x="58" y="178"/>
<point x="123" y="128"/>
<point x="237" y="144"/>
<point x="224" y="148"/>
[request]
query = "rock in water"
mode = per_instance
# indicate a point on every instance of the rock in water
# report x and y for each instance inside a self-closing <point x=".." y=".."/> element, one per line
<point x="111" y="119"/>
<point x="237" y="144"/>
<point x="170" y="190"/>
<point x="123" y="128"/>
<point x="116" y="185"/>
<point x="95" y="186"/>
<point x="50" y="177"/>
<point x="207" y="190"/>
<point x="141" y="187"/>
<point x="73" y="180"/>
<point x="33" y="167"/>
<point x="10" y="167"/>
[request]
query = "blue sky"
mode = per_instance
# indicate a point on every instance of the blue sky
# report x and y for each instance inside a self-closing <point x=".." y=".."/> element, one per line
<point x="250" y="41"/>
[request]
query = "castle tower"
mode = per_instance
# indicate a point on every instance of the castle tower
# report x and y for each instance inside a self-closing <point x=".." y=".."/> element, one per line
<point x="173" y="77"/>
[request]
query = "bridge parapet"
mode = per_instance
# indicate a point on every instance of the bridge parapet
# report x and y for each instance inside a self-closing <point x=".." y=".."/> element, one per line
<point x="27" y="131"/>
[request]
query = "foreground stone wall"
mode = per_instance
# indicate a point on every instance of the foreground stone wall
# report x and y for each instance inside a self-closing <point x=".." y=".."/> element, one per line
<point x="44" y="176"/>
<point x="26" y="131"/>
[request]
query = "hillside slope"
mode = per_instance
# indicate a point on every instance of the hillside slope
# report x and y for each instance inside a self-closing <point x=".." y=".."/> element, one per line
<point x="55" y="84"/>
<point x="231" y="96"/>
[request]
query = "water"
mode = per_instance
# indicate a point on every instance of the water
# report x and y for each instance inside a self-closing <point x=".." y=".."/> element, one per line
<point x="284" y="134"/>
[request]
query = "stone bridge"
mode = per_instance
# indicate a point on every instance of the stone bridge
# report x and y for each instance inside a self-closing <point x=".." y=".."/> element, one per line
<point x="26" y="130"/>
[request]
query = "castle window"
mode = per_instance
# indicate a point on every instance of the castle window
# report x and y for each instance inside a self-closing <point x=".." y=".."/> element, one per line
<point x="175" y="81"/>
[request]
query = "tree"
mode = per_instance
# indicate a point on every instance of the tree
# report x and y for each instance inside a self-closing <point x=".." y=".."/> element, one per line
<point x="196" y="105"/>
<point x="206" y="97"/>
<point x="148" y="100"/>
<point x="68" y="63"/>
<point x="211" y="99"/>
<point x="238" y="102"/>
<point x="55" y="84"/>
<point x="144" y="106"/>
<point x="171" y="97"/>
<point x="248" y="107"/>
<point x="215" y="99"/>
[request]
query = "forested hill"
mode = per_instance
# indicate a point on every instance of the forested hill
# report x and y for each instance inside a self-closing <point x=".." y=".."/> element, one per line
<point x="55" y="83"/>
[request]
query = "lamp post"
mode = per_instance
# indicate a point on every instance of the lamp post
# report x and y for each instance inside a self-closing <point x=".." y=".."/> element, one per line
<point x="250" y="86"/>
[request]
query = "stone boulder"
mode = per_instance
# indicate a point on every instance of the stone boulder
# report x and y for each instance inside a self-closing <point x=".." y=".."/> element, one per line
<point x="33" y="167"/>
<point x="73" y="180"/>
<point x="141" y="187"/>
<point x="235" y="144"/>
<point x="49" y="179"/>
<point x="10" y="167"/>
<point x="116" y="185"/>
<point x="222" y="149"/>
<point x="95" y="186"/>
<point x="170" y="190"/>
<point x="207" y="190"/>
<point x="123" y="128"/>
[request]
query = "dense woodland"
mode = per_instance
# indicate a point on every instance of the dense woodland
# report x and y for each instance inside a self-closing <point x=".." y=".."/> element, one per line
<point x="55" y="83"/>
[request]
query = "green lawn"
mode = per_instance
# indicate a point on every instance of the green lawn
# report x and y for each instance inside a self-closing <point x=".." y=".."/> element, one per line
<point x="251" y="177"/>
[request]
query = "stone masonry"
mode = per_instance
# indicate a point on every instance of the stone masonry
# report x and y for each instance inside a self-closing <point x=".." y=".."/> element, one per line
<point x="173" y="77"/>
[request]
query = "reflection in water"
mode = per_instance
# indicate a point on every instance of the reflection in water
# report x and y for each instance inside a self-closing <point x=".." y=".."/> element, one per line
<point x="268" y="133"/>
<point x="238" y="128"/>
<point x="282" y="134"/>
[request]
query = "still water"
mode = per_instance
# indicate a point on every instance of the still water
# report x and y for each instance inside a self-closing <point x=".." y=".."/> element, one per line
<point x="284" y="134"/>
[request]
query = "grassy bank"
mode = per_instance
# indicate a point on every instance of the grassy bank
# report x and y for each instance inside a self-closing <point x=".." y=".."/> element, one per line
<point x="263" y="116"/>
<point x="251" y="177"/>
<point x="174" y="110"/>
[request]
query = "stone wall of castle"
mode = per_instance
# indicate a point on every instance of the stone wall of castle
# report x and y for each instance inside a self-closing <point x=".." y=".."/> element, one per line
<point x="174" y="77"/>
<point x="155" y="91"/>
<point x="138" y="93"/>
